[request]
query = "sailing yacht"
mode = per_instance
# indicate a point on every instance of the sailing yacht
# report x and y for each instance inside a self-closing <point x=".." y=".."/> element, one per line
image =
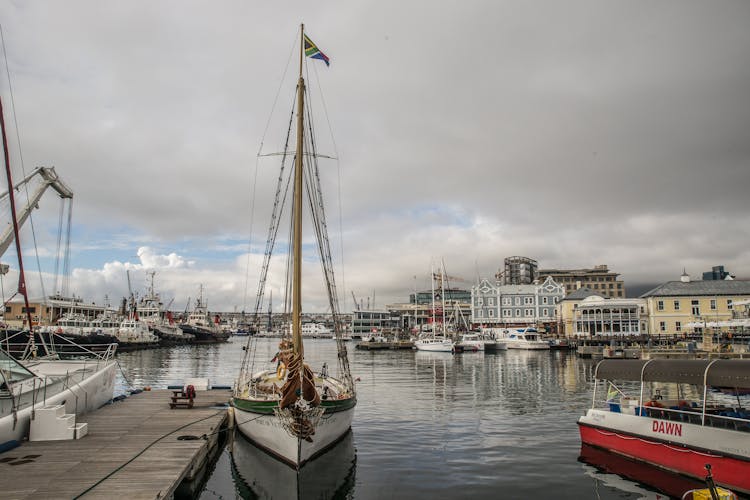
<point x="290" y="410"/>
<point x="436" y="341"/>
<point x="40" y="379"/>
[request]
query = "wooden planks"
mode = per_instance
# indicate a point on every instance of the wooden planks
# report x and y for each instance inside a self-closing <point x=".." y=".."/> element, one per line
<point x="132" y="450"/>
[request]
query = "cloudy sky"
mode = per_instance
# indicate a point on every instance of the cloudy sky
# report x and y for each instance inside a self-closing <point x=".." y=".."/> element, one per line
<point x="577" y="133"/>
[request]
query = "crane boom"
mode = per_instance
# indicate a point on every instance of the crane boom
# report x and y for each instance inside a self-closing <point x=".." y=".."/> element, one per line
<point x="49" y="179"/>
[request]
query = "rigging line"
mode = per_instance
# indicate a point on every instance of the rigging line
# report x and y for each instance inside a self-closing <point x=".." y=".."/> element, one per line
<point x="257" y="162"/>
<point x="56" y="276"/>
<point x="250" y="239"/>
<point x="278" y="92"/>
<point x="338" y="173"/>
<point x="20" y="157"/>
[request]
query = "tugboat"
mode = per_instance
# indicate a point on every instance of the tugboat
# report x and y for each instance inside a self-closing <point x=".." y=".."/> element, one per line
<point x="201" y="326"/>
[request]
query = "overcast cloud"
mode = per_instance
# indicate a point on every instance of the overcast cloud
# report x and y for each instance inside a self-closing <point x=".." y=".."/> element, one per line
<point x="576" y="133"/>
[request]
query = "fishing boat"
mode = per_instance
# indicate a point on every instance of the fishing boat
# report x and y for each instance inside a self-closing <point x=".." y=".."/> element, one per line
<point x="40" y="379"/>
<point x="666" y="413"/>
<point x="291" y="410"/>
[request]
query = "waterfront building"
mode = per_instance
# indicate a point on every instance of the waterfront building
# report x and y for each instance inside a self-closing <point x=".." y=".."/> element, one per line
<point x="566" y="309"/>
<point x="47" y="311"/>
<point x="451" y="295"/>
<point x="600" y="316"/>
<point x="600" y="279"/>
<point x="678" y="307"/>
<point x="368" y="321"/>
<point x="498" y="305"/>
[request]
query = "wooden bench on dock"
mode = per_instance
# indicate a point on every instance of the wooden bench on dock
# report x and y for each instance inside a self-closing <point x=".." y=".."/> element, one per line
<point x="181" y="400"/>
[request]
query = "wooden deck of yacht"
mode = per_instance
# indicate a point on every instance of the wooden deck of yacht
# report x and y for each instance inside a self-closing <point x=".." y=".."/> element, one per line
<point x="135" y="449"/>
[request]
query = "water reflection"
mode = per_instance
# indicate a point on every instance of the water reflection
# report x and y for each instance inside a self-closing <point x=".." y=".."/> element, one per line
<point x="257" y="475"/>
<point x="612" y="468"/>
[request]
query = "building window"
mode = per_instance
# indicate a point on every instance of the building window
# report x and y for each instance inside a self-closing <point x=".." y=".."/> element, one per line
<point x="677" y="326"/>
<point x="518" y="313"/>
<point x="32" y="310"/>
<point x="491" y="313"/>
<point x="506" y="312"/>
<point x="479" y="313"/>
<point x="490" y="302"/>
<point x="506" y="301"/>
<point x="529" y="312"/>
<point x="662" y="326"/>
<point x="660" y="305"/>
<point x="676" y="305"/>
<point x="518" y="301"/>
<point x="528" y="300"/>
<point x="729" y="304"/>
<point x="695" y="308"/>
<point x="544" y="300"/>
<point x="545" y="312"/>
<point x="480" y="301"/>
<point x="713" y="304"/>
<point x="556" y="299"/>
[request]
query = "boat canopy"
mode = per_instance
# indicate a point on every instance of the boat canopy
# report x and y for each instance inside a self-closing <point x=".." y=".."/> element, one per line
<point x="734" y="373"/>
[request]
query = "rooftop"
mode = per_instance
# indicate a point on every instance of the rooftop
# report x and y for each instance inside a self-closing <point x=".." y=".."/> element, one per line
<point x="699" y="288"/>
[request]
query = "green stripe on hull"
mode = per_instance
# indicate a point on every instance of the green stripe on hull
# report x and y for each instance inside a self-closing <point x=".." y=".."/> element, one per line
<point x="267" y="407"/>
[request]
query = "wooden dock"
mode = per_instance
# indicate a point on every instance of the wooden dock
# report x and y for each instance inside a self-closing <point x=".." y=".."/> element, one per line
<point x="137" y="448"/>
<point x="376" y="346"/>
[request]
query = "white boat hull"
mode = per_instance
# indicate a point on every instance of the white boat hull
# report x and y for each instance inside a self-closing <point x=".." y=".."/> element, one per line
<point x="267" y="432"/>
<point x="269" y="478"/>
<point x="80" y="395"/>
<point x="529" y="345"/>
<point x="444" y="346"/>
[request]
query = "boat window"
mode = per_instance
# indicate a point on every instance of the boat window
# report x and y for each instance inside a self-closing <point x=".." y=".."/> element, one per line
<point x="12" y="370"/>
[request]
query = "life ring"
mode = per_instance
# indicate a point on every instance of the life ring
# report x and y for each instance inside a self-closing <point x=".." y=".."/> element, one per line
<point x="59" y="330"/>
<point x="281" y="371"/>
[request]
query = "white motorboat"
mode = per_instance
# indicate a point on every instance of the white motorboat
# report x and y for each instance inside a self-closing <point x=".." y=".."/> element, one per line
<point x="434" y="344"/>
<point x="41" y="378"/>
<point x="473" y="342"/>
<point x="523" y="338"/>
<point x="82" y="385"/>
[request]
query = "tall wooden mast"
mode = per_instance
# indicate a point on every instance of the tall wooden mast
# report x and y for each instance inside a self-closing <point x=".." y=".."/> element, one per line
<point x="297" y="224"/>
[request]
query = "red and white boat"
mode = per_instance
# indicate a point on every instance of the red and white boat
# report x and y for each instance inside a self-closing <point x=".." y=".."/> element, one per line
<point x="675" y="418"/>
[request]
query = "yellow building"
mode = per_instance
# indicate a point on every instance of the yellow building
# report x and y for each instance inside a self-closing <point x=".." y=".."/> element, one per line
<point x="566" y="310"/>
<point x="678" y="307"/>
<point x="46" y="312"/>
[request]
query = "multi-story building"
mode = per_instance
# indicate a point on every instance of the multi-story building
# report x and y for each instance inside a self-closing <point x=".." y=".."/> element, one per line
<point x="716" y="273"/>
<point x="684" y="306"/>
<point x="495" y="304"/>
<point x="367" y="322"/>
<point x="47" y="311"/>
<point x="599" y="316"/>
<point x="599" y="279"/>
<point x="518" y="270"/>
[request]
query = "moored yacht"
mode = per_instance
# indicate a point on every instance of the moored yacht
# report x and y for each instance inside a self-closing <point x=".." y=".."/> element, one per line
<point x="523" y="338"/>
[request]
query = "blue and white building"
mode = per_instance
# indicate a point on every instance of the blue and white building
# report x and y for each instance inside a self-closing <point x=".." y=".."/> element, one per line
<point x="493" y="304"/>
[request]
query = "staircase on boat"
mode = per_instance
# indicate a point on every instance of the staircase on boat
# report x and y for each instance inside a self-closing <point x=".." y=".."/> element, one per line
<point x="51" y="423"/>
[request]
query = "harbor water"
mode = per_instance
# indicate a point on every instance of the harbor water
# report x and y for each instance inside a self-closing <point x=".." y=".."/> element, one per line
<point x="427" y="425"/>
